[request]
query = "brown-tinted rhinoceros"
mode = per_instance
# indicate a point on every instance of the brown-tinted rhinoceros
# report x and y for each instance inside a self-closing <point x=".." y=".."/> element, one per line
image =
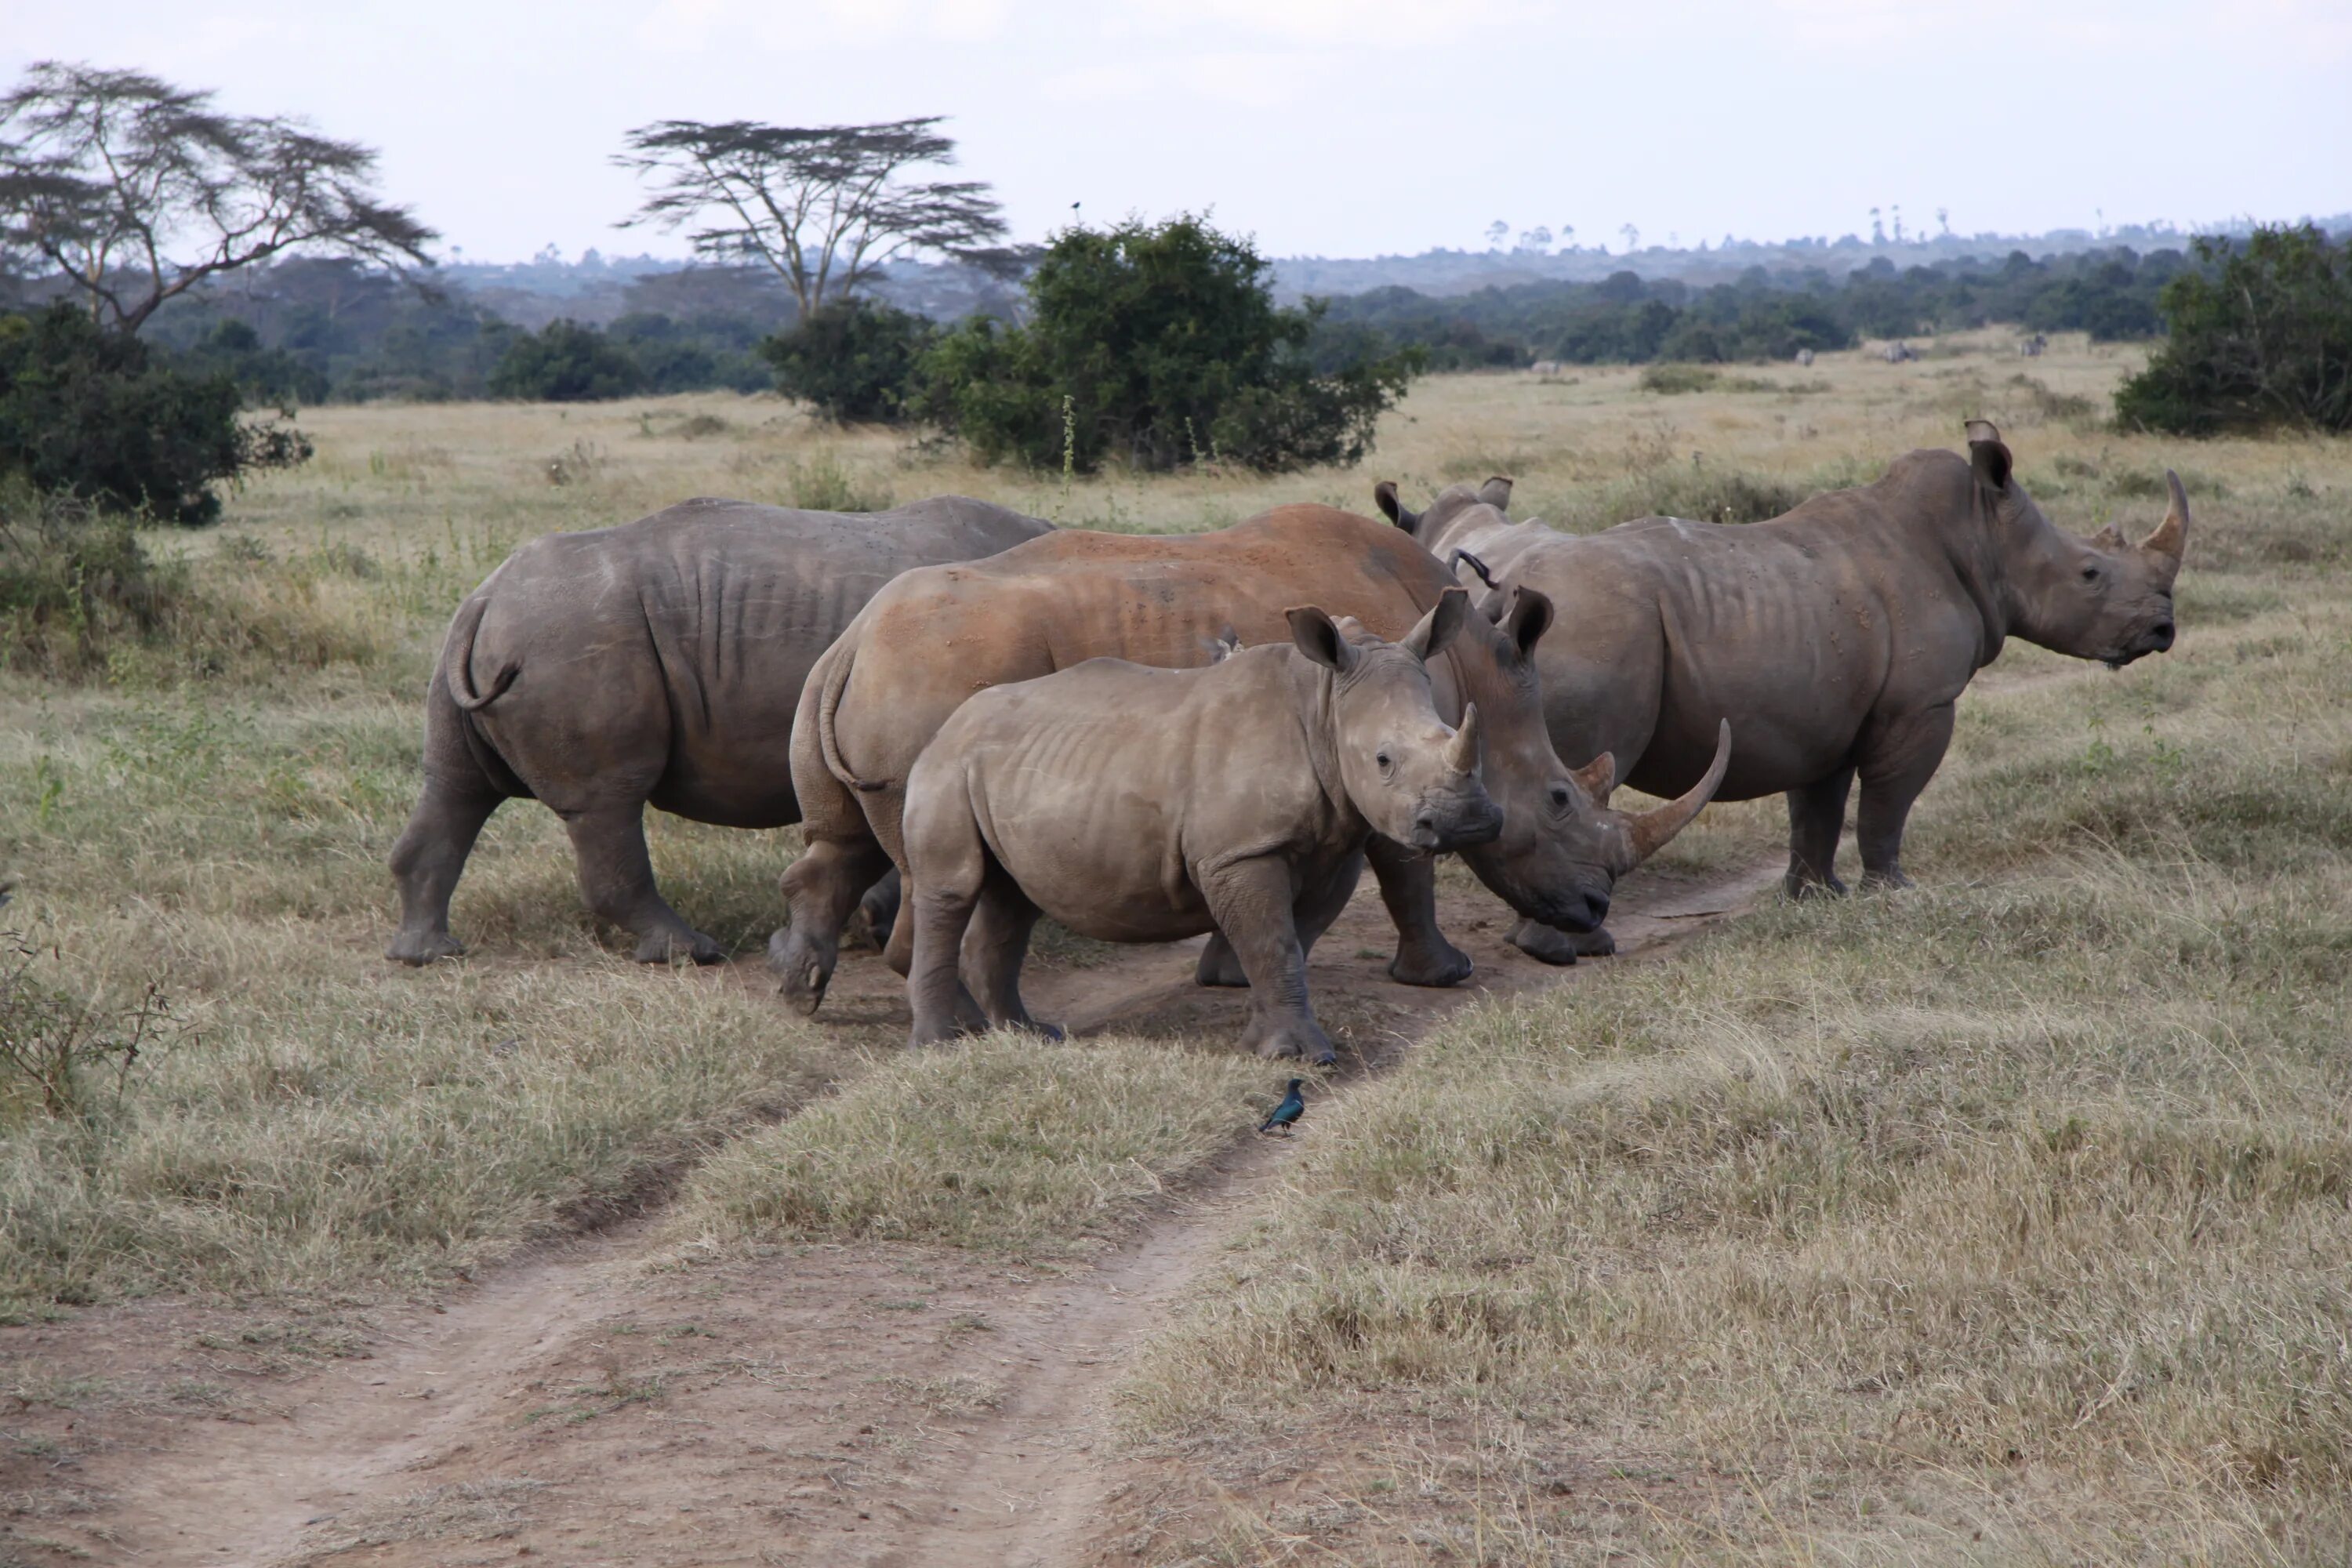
<point x="660" y="661"/>
<point x="1140" y="804"/>
<point x="935" y="637"/>
<point x="1840" y="635"/>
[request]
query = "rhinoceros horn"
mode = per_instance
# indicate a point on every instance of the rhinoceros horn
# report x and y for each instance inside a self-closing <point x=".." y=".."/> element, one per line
<point x="1653" y="829"/>
<point x="1462" y="751"/>
<point x="2171" y="535"/>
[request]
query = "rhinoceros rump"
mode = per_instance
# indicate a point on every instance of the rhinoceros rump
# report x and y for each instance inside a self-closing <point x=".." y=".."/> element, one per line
<point x="1141" y="804"/>
<point x="658" y="661"/>
<point x="935" y="637"/>
<point x="1841" y="634"/>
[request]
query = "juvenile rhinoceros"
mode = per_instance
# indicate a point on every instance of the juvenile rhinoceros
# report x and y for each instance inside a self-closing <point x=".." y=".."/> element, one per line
<point x="1840" y="634"/>
<point x="1140" y="804"/>
<point x="658" y="661"/>
<point x="935" y="637"/>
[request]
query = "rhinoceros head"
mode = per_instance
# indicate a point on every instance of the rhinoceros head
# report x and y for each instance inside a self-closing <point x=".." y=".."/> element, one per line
<point x="1413" y="778"/>
<point x="1562" y="848"/>
<point x="2103" y="597"/>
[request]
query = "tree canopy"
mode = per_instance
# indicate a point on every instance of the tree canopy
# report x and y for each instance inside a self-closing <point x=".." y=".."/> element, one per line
<point x="136" y="191"/>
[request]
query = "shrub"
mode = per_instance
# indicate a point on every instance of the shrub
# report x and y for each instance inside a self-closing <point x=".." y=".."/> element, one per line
<point x="1165" y="346"/>
<point x="269" y="378"/>
<point x="854" y="362"/>
<point x="87" y="409"/>
<point x="565" y="362"/>
<point x="73" y="583"/>
<point x="1671" y="378"/>
<point x="2261" y="335"/>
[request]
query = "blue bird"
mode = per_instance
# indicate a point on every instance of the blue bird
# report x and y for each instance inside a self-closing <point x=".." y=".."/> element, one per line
<point x="1286" y="1114"/>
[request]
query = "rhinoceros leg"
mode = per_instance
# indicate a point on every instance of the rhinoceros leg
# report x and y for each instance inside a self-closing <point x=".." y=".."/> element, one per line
<point x="820" y="888"/>
<point x="1317" y="908"/>
<point x="1408" y="882"/>
<point x="616" y="877"/>
<point x="955" y="875"/>
<point x="994" y="945"/>
<point x="1816" y="819"/>
<point x="1252" y="902"/>
<point x="1549" y="944"/>
<point x="1897" y="765"/>
<point x="877" y="913"/>
<point x="431" y="855"/>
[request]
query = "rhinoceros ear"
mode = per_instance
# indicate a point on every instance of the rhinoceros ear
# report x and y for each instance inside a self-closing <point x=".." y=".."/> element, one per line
<point x="1428" y="638"/>
<point x="1497" y="493"/>
<point x="1526" y="618"/>
<point x="1313" y="633"/>
<point x="1988" y="457"/>
<point x="1384" y="495"/>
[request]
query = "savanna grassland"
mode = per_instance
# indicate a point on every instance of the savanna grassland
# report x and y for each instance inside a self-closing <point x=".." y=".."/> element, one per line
<point x="2007" y="1218"/>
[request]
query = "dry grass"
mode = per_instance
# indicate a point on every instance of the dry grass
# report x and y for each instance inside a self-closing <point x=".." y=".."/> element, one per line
<point x="2005" y="1219"/>
<point x="1007" y="1142"/>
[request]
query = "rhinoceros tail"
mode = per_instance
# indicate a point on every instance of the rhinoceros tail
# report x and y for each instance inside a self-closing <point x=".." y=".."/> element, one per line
<point x="459" y="662"/>
<point x="837" y="667"/>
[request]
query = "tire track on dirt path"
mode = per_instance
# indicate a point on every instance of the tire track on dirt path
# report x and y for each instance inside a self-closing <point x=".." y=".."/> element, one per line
<point x="1031" y="1490"/>
<point x="581" y="1404"/>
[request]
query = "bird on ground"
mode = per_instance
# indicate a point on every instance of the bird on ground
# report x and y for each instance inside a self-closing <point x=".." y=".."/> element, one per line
<point x="1286" y="1115"/>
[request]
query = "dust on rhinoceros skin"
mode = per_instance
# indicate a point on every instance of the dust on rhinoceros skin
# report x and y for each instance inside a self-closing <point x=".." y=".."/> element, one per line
<point x="931" y="639"/>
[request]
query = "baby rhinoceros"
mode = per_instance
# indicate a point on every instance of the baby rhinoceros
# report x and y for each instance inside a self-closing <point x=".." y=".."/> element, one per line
<point x="1141" y="804"/>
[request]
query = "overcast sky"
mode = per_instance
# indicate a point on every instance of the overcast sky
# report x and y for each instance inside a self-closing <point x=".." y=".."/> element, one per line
<point x="1327" y="127"/>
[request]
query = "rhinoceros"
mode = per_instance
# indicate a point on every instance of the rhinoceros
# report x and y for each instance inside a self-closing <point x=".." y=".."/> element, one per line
<point x="937" y="635"/>
<point x="1840" y="634"/>
<point x="1141" y="804"/>
<point x="659" y="661"/>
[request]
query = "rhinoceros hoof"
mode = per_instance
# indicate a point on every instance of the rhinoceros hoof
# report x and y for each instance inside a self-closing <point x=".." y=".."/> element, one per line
<point x="1885" y="881"/>
<point x="1052" y="1033"/>
<point x="1545" y="944"/>
<point x="1293" y="1040"/>
<point x="662" y="947"/>
<point x="801" y="977"/>
<point x="1813" y="887"/>
<point x="421" y="948"/>
<point x="1440" y="967"/>
<point x="1595" y="944"/>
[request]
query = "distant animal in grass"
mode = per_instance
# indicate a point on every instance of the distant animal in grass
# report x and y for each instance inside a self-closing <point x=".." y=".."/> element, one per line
<point x="1286" y="1115"/>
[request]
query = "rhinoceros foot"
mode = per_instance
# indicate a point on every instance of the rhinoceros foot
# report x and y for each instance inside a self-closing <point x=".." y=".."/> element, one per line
<point x="801" y="972"/>
<point x="1885" y="881"/>
<point x="1810" y="885"/>
<point x="422" y="947"/>
<point x="664" y="946"/>
<point x="1548" y="944"/>
<point x="1274" y="1037"/>
<point x="1437" y="963"/>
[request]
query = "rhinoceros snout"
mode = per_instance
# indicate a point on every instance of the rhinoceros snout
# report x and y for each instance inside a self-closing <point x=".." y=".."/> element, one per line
<point x="2159" y="636"/>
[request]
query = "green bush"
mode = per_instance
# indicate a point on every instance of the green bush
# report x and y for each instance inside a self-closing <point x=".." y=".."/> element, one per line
<point x="1156" y="345"/>
<point x="2261" y="335"/>
<point x="853" y="362"/>
<point x="1671" y="376"/>
<point x="100" y="414"/>
<point x="565" y="361"/>
<point x="75" y="584"/>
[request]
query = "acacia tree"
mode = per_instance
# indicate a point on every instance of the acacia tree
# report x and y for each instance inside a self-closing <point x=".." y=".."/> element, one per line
<point x="137" y="190"/>
<point x="826" y="206"/>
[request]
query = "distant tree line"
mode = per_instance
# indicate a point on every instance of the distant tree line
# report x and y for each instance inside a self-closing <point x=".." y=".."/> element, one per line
<point x="2113" y="295"/>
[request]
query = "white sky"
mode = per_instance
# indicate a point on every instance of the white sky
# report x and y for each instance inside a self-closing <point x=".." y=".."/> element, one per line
<point x="1329" y="127"/>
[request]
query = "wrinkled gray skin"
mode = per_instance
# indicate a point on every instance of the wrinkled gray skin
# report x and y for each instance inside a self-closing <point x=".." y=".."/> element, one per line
<point x="658" y="662"/>
<point x="1840" y="634"/>
<point x="1140" y="804"/>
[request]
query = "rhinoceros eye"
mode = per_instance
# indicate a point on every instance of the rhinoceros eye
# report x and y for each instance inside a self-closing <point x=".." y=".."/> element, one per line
<point x="1560" y="796"/>
<point x="2090" y="574"/>
<point x="1388" y="763"/>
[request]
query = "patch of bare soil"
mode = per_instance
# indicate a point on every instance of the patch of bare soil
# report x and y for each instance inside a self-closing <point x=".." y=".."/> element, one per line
<point x="874" y="1404"/>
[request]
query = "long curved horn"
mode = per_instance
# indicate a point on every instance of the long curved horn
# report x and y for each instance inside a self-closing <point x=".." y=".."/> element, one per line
<point x="2171" y="535"/>
<point x="1653" y="830"/>
<point x="1462" y="751"/>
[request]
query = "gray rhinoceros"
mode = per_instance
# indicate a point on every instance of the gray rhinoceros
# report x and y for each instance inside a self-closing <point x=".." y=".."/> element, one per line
<point x="1840" y="636"/>
<point x="659" y="661"/>
<point x="1140" y="804"/>
<point x="937" y="635"/>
